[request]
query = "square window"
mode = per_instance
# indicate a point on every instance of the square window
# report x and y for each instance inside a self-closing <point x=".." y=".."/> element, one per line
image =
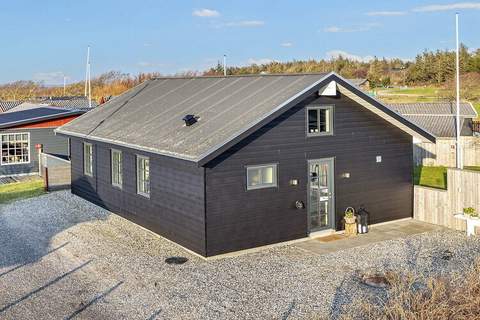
<point x="262" y="176"/>
<point x="319" y="120"/>
<point x="15" y="148"/>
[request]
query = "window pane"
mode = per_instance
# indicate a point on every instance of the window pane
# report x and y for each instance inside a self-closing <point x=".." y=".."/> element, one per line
<point x="255" y="176"/>
<point x="143" y="176"/>
<point x="88" y="159"/>
<point x="320" y="120"/>
<point x="117" y="168"/>
<point x="313" y="121"/>
<point x="14" y="148"/>
<point x="267" y="175"/>
<point x="261" y="176"/>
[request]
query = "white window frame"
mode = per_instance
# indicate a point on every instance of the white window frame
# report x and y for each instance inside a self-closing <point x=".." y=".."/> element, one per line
<point x="1" y="149"/>
<point x="330" y="122"/>
<point x="119" y="183"/>
<point x="142" y="193"/>
<point x="263" y="185"/>
<point x="85" y="171"/>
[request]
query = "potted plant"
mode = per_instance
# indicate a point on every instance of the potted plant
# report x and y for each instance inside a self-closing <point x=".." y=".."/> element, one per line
<point x="350" y="215"/>
<point x="470" y="212"/>
<point x="350" y="225"/>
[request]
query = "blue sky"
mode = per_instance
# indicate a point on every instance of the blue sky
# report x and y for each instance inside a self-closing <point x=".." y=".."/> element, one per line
<point x="42" y="40"/>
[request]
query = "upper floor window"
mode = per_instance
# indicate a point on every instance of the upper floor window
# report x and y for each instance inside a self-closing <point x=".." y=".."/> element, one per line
<point x="261" y="176"/>
<point x="319" y="120"/>
<point x="117" y="173"/>
<point x="15" y="148"/>
<point x="88" y="159"/>
<point x="143" y="176"/>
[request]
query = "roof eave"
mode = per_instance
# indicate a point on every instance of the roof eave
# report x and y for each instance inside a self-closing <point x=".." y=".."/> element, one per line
<point x="40" y="119"/>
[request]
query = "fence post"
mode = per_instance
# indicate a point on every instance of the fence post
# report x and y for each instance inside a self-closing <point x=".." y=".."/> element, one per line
<point x="45" y="179"/>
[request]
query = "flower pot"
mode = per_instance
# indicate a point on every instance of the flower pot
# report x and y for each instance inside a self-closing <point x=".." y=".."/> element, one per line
<point x="350" y="220"/>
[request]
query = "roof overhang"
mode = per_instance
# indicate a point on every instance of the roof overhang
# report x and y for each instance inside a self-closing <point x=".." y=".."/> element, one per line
<point x="40" y="119"/>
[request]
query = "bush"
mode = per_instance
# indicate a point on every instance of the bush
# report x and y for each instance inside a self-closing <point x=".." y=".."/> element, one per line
<point x="410" y="298"/>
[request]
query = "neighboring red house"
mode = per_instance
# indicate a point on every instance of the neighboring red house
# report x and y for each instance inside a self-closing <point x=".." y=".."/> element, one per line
<point x="26" y="126"/>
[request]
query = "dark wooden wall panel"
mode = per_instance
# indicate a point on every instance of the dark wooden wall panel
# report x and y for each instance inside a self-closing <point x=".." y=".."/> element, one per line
<point x="175" y="208"/>
<point x="51" y="144"/>
<point x="239" y="219"/>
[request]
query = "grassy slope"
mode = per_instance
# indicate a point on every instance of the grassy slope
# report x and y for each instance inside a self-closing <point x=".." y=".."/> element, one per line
<point x="435" y="177"/>
<point x="21" y="190"/>
<point x="477" y="107"/>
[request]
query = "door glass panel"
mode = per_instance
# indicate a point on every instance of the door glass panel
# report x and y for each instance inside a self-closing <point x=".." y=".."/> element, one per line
<point x="320" y="204"/>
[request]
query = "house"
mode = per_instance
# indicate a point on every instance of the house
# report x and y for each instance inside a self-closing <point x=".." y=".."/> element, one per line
<point x="21" y="132"/>
<point x="220" y="164"/>
<point x="439" y="118"/>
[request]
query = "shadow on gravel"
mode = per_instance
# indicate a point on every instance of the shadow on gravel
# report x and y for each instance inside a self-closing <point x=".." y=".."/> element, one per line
<point x="34" y="292"/>
<point x="27" y="226"/>
<point x="93" y="301"/>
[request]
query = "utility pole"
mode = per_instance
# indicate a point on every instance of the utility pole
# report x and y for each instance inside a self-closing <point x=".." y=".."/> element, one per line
<point x="64" y="85"/>
<point x="87" y="67"/>
<point x="459" y="147"/>
<point x="88" y="84"/>
<point x="224" y="65"/>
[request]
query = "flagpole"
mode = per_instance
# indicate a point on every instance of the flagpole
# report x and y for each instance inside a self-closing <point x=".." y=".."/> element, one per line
<point x="459" y="147"/>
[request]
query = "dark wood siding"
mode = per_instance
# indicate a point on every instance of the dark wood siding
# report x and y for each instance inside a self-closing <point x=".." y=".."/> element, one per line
<point x="239" y="219"/>
<point x="51" y="144"/>
<point x="175" y="208"/>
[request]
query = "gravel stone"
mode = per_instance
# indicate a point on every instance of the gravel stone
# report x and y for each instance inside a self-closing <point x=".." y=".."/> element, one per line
<point x="62" y="257"/>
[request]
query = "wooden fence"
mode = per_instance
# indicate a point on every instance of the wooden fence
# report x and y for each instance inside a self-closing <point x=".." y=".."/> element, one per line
<point x="442" y="153"/>
<point x="55" y="172"/>
<point x="438" y="206"/>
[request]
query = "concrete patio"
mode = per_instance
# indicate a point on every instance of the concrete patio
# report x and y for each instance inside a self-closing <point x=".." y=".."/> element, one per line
<point x="377" y="233"/>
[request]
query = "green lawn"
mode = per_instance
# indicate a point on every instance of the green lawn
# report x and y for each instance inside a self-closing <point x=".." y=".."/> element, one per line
<point x="423" y="91"/>
<point x="21" y="190"/>
<point x="477" y="107"/>
<point x="434" y="177"/>
<point x="474" y="168"/>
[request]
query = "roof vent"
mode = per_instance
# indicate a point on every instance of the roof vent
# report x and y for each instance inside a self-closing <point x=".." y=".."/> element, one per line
<point x="189" y="119"/>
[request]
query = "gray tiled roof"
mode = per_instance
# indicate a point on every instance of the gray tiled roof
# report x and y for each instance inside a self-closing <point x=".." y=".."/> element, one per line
<point x="434" y="108"/>
<point x="74" y="103"/>
<point x="7" y="105"/>
<point x="441" y="126"/>
<point x="437" y="118"/>
<point x="149" y="116"/>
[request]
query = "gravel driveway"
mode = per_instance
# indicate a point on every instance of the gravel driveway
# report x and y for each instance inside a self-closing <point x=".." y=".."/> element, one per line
<point x="62" y="258"/>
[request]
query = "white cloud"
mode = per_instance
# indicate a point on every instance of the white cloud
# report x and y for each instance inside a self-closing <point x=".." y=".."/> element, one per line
<point x="259" y="61"/>
<point x="386" y="13"/>
<point x="361" y="28"/>
<point x="445" y="7"/>
<point x="286" y="44"/>
<point x="55" y="77"/>
<point x="205" y="13"/>
<point x="245" y="23"/>
<point x="337" y="53"/>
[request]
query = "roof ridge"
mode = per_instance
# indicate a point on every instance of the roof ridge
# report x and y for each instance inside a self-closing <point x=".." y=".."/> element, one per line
<point x="245" y="75"/>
